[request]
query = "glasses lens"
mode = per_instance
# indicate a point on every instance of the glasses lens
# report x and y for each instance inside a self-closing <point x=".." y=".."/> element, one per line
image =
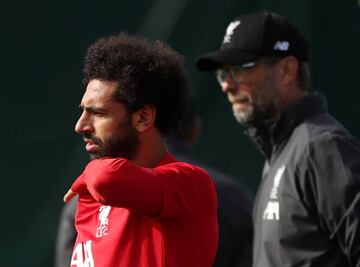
<point x="237" y="72"/>
<point x="221" y="75"/>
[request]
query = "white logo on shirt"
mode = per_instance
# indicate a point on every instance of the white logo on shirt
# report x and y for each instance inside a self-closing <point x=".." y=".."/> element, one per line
<point x="103" y="230"/>
<point x="272" y="210"/>
<point x="230" y="30"/>
<point x="282" y="46"/>
<point x="82" y="255"/>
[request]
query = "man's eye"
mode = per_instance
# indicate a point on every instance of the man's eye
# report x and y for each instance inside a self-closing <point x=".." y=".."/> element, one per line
<point x="98" y="113"/>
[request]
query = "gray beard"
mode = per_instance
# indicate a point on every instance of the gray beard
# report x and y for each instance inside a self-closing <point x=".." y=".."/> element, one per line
<point x="266" y="103"/>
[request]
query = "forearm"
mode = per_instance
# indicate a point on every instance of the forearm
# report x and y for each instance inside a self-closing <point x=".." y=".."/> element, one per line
<point x="119" y="183"/>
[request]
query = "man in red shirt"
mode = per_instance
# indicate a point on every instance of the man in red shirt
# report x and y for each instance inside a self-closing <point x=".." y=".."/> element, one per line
<point x="137" y="205"/>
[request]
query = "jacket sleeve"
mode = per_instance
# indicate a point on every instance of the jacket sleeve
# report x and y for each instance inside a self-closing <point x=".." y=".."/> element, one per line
<point x="167" y="191"/>
<point x="334" y="172"/>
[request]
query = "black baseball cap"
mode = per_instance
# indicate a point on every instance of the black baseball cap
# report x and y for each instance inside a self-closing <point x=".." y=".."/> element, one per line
<point x="253" y="36"/>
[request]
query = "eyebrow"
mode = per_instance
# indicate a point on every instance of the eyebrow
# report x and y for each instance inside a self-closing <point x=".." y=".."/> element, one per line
<point x="92" y="108"/>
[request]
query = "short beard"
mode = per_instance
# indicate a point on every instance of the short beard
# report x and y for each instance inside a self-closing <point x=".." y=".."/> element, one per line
<point x="124" y="145"/>
<point x="266" y="104"/>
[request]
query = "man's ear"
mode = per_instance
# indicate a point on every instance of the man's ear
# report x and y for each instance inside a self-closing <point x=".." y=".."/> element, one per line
<point x="288" y="70"/>
<point x="144" y="118"/>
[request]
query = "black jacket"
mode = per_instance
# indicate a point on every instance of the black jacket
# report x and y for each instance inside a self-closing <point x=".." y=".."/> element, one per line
<point x="307" y="208"/>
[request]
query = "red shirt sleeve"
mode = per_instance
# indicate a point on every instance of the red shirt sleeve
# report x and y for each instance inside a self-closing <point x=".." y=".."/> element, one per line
<point x="188" y="191"/>
<point x="119" y="183"/>
<point x="168" y="191"/>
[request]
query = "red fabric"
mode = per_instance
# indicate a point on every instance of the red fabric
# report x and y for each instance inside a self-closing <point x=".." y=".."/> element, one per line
<point x="159" y="217"/>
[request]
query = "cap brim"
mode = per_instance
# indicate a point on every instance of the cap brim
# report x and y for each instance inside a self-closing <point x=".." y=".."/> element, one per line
<point x="214" y="60"/>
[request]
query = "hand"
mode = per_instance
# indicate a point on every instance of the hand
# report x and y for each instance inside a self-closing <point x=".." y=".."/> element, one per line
<point x="69" y="195"/>
<point x="78" y="186"/>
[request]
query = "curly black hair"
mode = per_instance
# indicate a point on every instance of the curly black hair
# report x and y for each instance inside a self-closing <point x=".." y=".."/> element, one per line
<point x="146" y="72"/>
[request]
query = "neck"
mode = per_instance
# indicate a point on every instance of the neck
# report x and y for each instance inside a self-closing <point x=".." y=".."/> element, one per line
<point x="151" y="150"/>
<point x="290" y="96"/>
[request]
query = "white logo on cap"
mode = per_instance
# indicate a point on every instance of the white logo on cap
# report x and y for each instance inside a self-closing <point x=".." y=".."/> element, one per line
<point x="248" y="65"/>
<point x="230" y="30"/>
<point x="282" y="46"/>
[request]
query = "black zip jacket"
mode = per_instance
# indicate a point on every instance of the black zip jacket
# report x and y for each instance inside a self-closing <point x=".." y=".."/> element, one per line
<point x="307" y="208"/>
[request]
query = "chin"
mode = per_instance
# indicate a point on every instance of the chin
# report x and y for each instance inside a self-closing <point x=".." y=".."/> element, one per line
<point x="241" y="117"/>
<point x="93" y="156"/>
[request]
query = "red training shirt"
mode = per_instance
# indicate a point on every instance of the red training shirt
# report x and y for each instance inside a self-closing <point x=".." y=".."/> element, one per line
<point x="129" y="216"/>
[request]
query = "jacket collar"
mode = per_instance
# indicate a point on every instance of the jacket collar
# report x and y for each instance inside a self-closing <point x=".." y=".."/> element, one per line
<point x="270" y="134"/>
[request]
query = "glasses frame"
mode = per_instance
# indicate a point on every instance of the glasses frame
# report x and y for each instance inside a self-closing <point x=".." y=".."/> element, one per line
<point x="236" y="71"/>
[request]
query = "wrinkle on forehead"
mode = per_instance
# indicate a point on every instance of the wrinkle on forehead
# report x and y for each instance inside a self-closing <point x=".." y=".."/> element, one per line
<point x="99" y="91"/>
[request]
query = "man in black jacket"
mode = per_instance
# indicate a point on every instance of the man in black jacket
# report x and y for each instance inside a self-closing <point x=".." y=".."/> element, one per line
<point x="307" y="208"/>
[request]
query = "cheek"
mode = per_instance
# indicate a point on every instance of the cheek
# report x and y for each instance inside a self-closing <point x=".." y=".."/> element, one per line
<point x="262" y="83"/>
<point x="252" y="83"/>
<point x="105" y="128"/>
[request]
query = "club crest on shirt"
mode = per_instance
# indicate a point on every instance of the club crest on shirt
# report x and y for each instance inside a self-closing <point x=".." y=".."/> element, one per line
<point x="272" y="210"/>
<point x="103" y="230"/>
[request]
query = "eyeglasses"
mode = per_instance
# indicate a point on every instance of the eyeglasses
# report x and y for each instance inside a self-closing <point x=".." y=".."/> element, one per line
<point x="236" y="72"/>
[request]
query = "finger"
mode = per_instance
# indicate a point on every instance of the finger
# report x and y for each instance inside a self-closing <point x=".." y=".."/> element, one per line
<point x="69" y="195"/>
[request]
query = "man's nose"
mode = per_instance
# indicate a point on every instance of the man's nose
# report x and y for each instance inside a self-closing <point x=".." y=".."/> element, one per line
<point x="228" y="85"/>
<point x="83" y="124"/>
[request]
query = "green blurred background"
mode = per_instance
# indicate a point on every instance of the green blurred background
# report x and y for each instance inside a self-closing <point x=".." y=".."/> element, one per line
<point x="42" y="47"/>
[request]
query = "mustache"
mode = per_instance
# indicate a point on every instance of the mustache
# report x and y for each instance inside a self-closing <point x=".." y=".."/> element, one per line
<point x="238" y="97"/>
<point x="92" y="138"/>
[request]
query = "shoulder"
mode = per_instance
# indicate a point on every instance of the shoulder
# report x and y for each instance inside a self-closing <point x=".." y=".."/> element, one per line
<point x="329" y="146"/>
<point x="322" y="127"/>
<point x="183" y="168"/>
<point x="319" y="131"/>
<point x="326" y="133"/>
<point x="320" y="140"/>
